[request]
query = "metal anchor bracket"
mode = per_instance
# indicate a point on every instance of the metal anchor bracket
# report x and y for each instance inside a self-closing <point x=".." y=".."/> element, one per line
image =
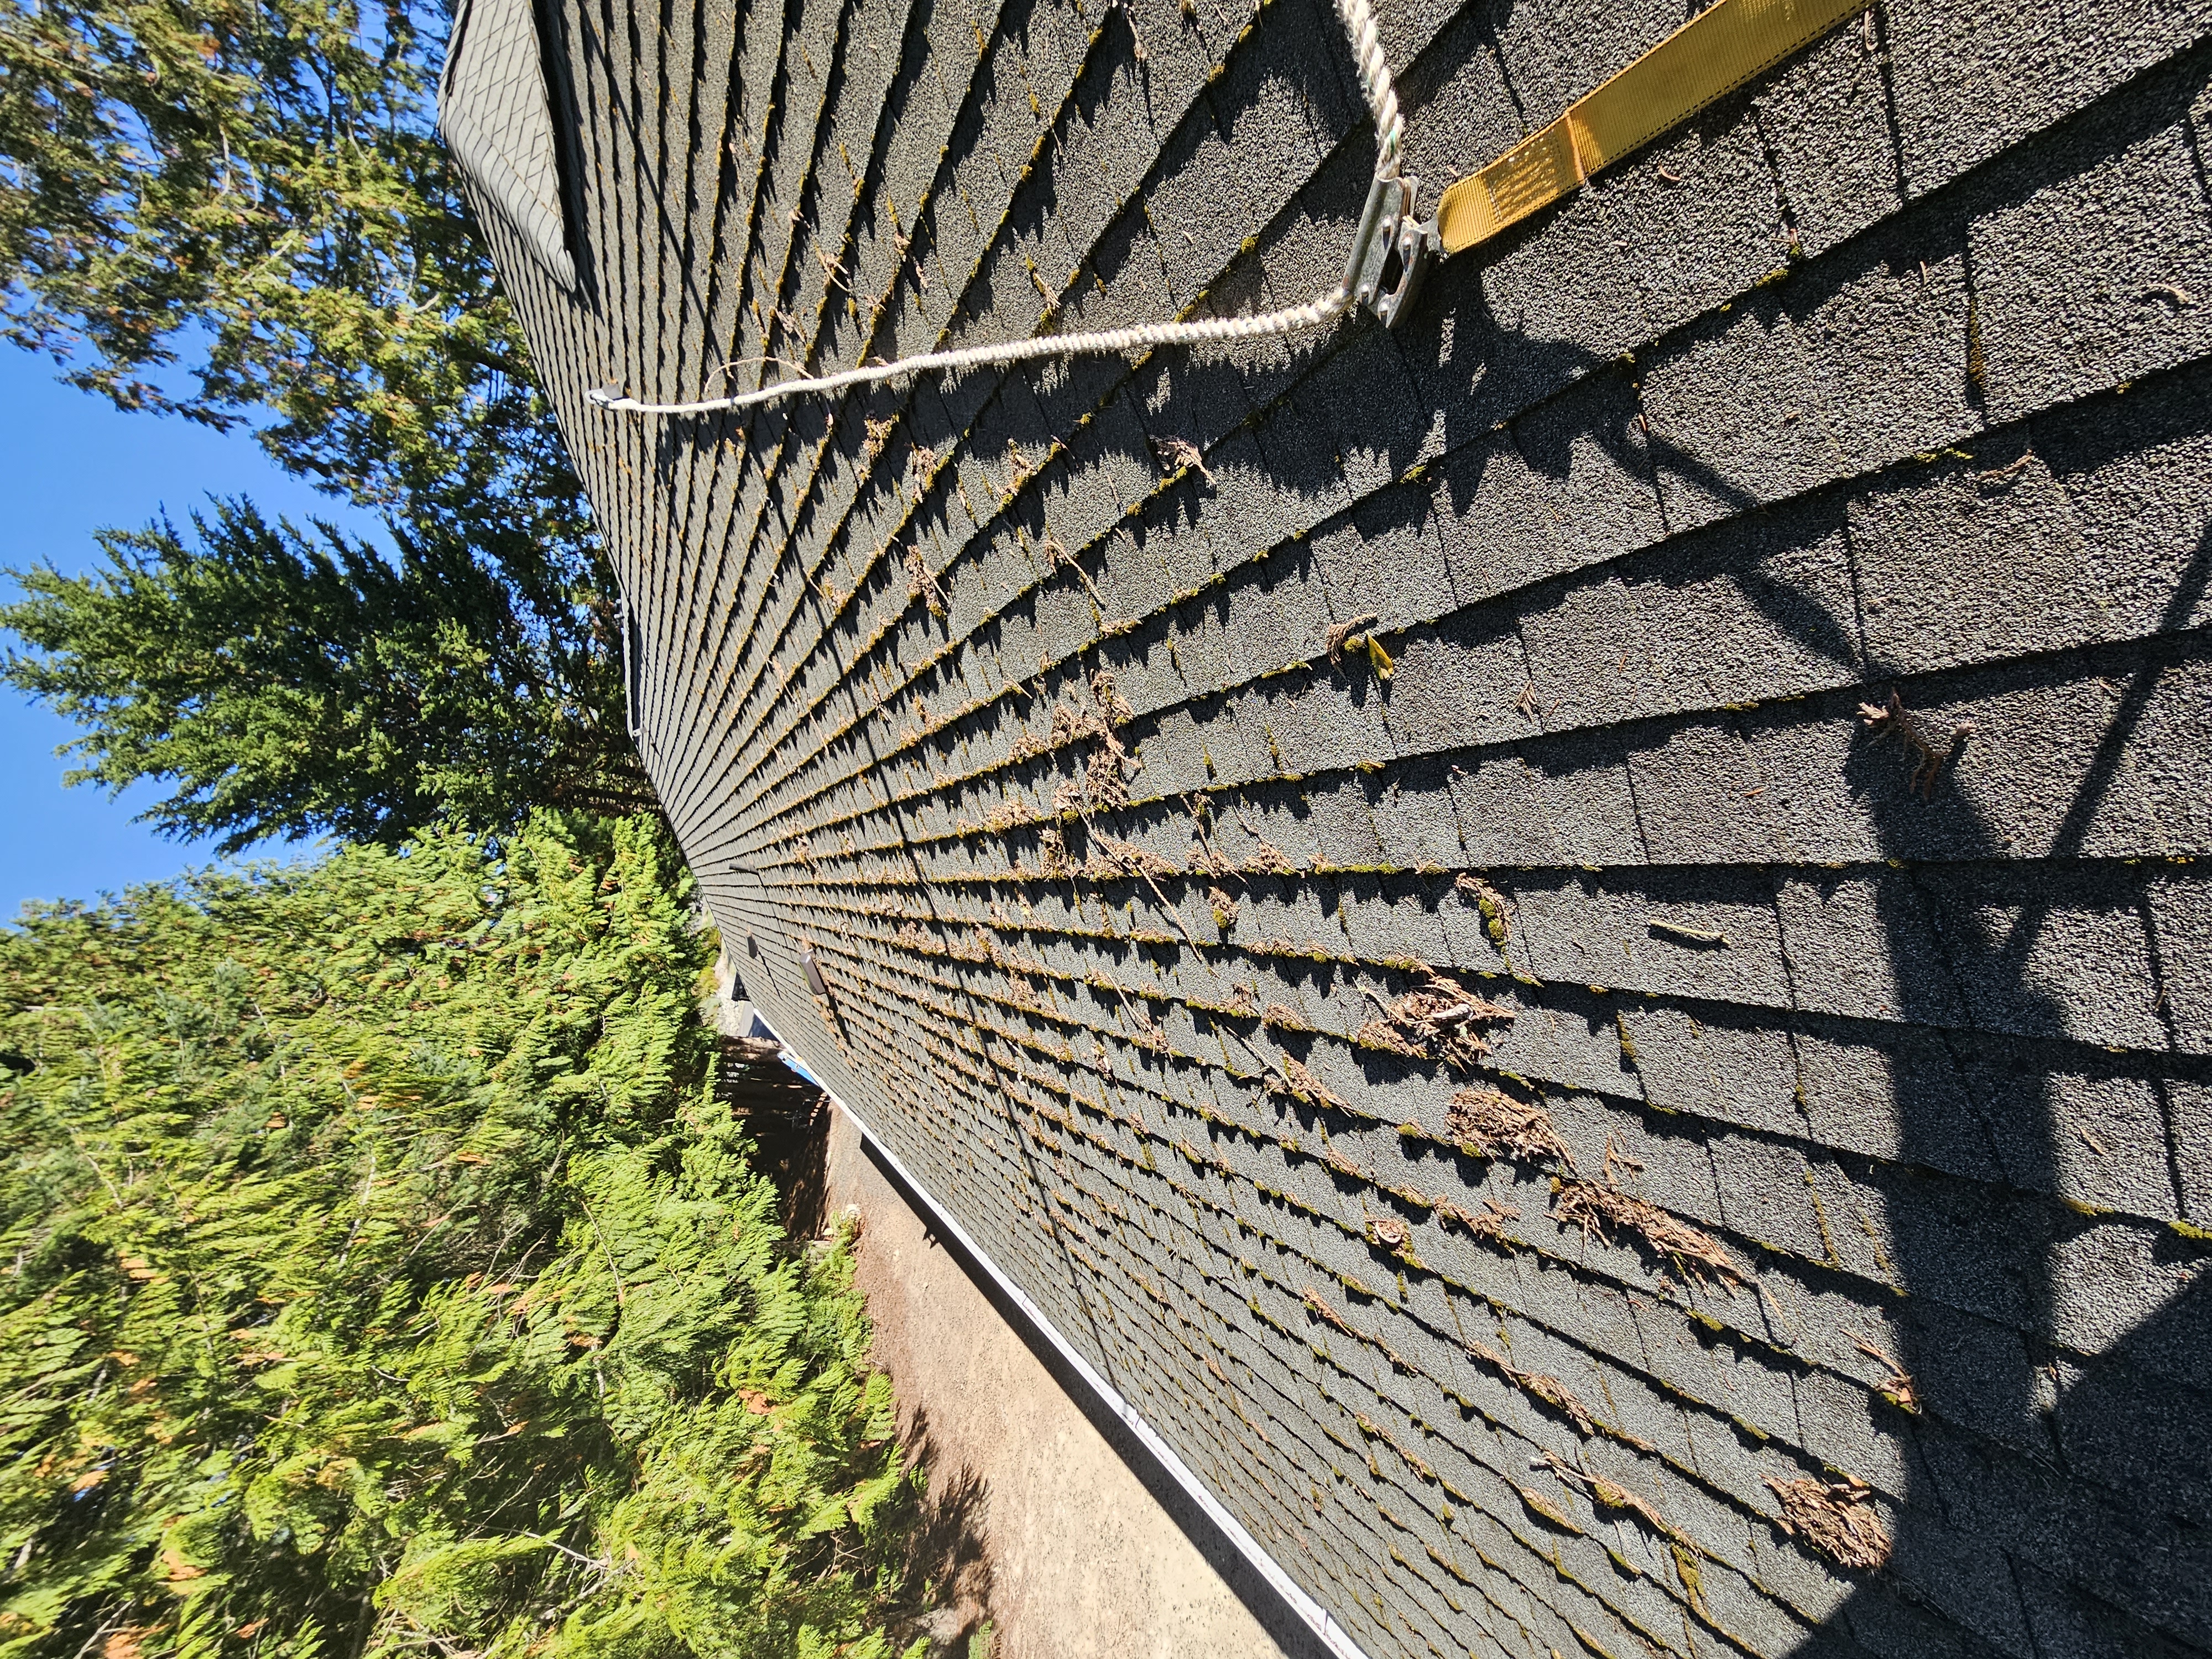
<point x="1396" y="255"/>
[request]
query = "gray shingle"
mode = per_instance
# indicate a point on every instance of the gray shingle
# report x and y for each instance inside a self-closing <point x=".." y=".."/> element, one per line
<point x="1645" y="531"/>
<point x="492" y="109"/>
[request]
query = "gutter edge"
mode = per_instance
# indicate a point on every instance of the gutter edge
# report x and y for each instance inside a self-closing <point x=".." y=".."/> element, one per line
<point x="1310" y="1612"/>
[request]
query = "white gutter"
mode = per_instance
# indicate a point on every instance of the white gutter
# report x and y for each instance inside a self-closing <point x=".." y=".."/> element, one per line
<point x="1310" y="1613"/>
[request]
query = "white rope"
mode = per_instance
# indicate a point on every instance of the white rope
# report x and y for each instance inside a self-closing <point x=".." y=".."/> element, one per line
<point x="1358" y="19"/>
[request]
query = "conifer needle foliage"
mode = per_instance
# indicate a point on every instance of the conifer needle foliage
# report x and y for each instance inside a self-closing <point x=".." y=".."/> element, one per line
<point x="297" y="684"/>
<point x="241" y="214"/>
<point x="379" y="1275"/>
<point x="238" y="211"/>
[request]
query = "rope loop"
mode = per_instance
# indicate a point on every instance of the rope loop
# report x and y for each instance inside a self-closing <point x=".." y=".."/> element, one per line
<point x="1373" y="68"/>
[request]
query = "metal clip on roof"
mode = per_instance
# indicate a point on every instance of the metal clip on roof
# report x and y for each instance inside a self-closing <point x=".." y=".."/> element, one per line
<point x="1394" y="248"/>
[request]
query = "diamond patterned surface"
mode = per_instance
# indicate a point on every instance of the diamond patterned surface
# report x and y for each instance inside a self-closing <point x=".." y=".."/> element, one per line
<point x="492" y="110"/>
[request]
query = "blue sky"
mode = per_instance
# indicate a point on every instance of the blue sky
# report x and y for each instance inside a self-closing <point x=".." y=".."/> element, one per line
<point x="73" y="465"/>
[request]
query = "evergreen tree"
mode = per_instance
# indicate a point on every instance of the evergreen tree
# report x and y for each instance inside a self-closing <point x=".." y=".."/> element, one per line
<point x="383" y="1277"/>
<point x="260" y="185"/>
<point x="241" y="213"/>
<point x="297" y="683"/>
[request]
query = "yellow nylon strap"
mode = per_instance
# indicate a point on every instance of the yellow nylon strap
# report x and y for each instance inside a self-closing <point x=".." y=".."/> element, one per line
<point x="1709" y="56"/>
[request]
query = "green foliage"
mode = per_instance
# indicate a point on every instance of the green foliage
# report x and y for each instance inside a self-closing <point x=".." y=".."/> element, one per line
<point x="300" y="685"/>
<point x="385" y="1277"/>
<point x="263" y="180"/>
<point x="255" y="192"/>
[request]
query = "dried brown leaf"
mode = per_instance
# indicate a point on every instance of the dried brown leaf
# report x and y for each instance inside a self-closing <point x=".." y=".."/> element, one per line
<point x="1607" y="1211"/>
<point x="1901" y="1391"/>
<point x="1102" y="776"/>
<point x="1555" y="1394"/>
<point x="1178" y="453"/>
<point x="1892" y="721"/>
<point x="1489" y="1225"/>
<point x="1337" y="638"/>
<point x="1052" y="853"/>
<point x="1113" y="708"/>
<point x="922" y="583"/>
<point x="1837" y="1519"/>
<point x="1297" y="1081"/>
<point x="1492" y="1124"/>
